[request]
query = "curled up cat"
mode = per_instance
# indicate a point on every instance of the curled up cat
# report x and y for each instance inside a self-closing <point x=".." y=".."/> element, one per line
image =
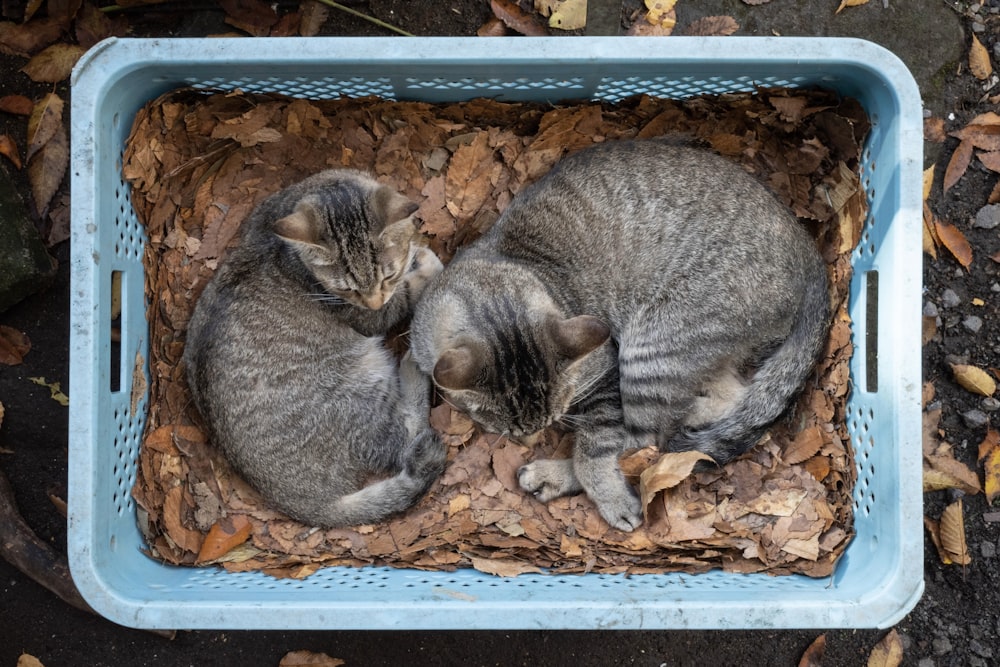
<point x="641" y="290"/>
<point x="286" y="358"/>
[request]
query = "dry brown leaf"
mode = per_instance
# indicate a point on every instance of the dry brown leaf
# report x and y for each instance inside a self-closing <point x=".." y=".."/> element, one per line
<point x="500" y="567"/>
<point x="16" y="104"/>
<point x="930" y="239"/>
<point x="309" y="659"/>
<point x="974" y="379"/>
<point x="850" y="3"/>
<point x="43" y="124"/>
<point x="958" y="164"/>
<point x="888" y="652"/>
<point x="979" y="60"/>
<point x="934" y="130"/>
<point x="14" y="345"/>
<point x="10" y="150"/>
<point x="47" y="169"/>
<point x="28" y="660"/>
<point x="254" y="17"/>
<point x="493" y="27"/>
<point x="946" y="472"/>
<point x="756" y="2"/>
<point x="954" y="240"/>
<point x="804" y="446"/>
<point x="952" y="534"/>
<point x="24" y="39"/>
<point x="670" y="470"/>
<point x="712" y="26"/>
<point x="928" y="181"/>
<point x="989" y="454"/>
<point x="314" y="15"/>
<point x="224" y="535"/>
<point x="990" y="160"/>
<point x="517" y="19"/>
<point x="468" y="183"/>
<point x="54" y="64"/>
<point x="813" y="656"/>
<point x="662" y="29"/>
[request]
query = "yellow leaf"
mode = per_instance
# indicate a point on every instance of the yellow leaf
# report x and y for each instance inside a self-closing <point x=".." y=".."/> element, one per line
<point x="952" y="534"/>
<point x="850" y="3"/>
<point x="888" y="652"/>
<point x="989" y="454"/>
<point x="928" y="180"/>
<point x="29" y="661"/>
<point x="569" y="15"/>
<point x="979" y="60"/>
<point x="54" y="390"/>
<point x="661" y="13"/>
<point x="974" y="379"/>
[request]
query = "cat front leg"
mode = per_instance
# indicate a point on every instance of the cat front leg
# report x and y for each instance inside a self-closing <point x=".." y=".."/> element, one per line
<point x="595" y="462"/>
<point x="548" y="479"/>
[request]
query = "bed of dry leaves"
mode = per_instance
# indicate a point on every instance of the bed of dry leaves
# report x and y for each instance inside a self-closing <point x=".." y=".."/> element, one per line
<point x="199" y="162"/>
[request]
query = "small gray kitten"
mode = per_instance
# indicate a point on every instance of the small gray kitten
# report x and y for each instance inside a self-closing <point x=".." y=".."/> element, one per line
<point x="286" y="358"/>
<point x="639" y="289"/>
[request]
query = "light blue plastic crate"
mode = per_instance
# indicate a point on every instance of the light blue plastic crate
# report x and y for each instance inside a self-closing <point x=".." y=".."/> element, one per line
<point x="878" y="579"/>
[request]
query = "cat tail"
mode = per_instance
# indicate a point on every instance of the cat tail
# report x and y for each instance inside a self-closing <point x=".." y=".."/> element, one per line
<point x="772" y="388"/>
<point x="424" y="461"/>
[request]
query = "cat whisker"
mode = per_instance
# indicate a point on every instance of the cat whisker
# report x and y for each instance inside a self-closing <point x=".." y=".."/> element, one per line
<point x="323" y="297"/>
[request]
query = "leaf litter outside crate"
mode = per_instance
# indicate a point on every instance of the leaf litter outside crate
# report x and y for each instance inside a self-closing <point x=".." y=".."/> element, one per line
<point x="199" y="162"/>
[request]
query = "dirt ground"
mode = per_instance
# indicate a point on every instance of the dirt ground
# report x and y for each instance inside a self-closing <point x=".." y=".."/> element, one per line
<point x="957" y="621"/>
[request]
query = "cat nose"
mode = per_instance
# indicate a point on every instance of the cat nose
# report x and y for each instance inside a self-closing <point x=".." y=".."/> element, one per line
<point x="373" y="301"/>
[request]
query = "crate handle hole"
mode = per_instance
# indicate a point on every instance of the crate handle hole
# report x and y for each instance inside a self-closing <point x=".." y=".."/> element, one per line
<point x="115" y="324"/>
<point x="871" y="331"/>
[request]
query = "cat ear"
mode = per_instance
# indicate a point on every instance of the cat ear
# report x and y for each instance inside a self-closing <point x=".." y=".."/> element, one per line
<point x="457" y="368"/>
<point x="579" y="336"/>
<point x="302" y="225"/>
<point x="391" y="205"/>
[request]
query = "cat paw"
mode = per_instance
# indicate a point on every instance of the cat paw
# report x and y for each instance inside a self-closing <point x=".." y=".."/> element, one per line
<point x="623" y="512"/>
<point x="548" y="479"/>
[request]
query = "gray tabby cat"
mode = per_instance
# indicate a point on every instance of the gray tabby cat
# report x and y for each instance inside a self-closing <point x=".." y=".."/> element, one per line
<point x="287" y="363"/>
<point x="639" y="289"/>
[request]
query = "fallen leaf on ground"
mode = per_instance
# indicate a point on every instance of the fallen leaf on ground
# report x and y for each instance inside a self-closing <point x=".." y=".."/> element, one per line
<point x="709" y="26"/>
<point x="958" y="164"/>
<point x="974" y="379"/>
<point x="14" y="345"/>
<point x="314" y="15"/>
<point x="813" y="656"/>
<point x="24" y="39"/>
<point x="47" y="169"/>
<point x="9" y="150"/>
<point x="568" y="14"/>
<point x="979" y="60"/>
<point x="954" y="240"/>
<point x="946" y="472"/>
<point x="309" y="659"/>
<point x="27" y="660"/>
<point x="850" y="3"/>
<point x="45" y="121"/>
<point x="54" y="64"/>
<point x="516" y="18"/>
<point x="888" y="652"/>
<point x="989" y="454"/>
<point x="55" y="391"/>
<point x="16" y="104"/>
<point x="952" y="534"/>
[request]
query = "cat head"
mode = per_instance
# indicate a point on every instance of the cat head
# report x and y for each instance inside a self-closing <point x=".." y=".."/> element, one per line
<point x="523" y="374"/>
<point x="353" y="234"/>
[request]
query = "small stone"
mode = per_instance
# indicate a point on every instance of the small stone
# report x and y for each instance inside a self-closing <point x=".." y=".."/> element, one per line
<point x="978" y="27"/>
<point x="973" y="323"/>
<point x="975" y="418"/>
<point x="990" y="404"/>
<point x="988" y="550"/>
<point x="987" y="217"/>
<point x="956" y="359"/>
<point x="991" y="517"/>
<point x="930" y="310"/>
<point x="942" y="646"/>
<point x="976" y="647"/>
<point x="995" y="287"/>
<point x="949" y="299"/>
<point x="926" y="662"/>
<point x="975" y="7"/>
